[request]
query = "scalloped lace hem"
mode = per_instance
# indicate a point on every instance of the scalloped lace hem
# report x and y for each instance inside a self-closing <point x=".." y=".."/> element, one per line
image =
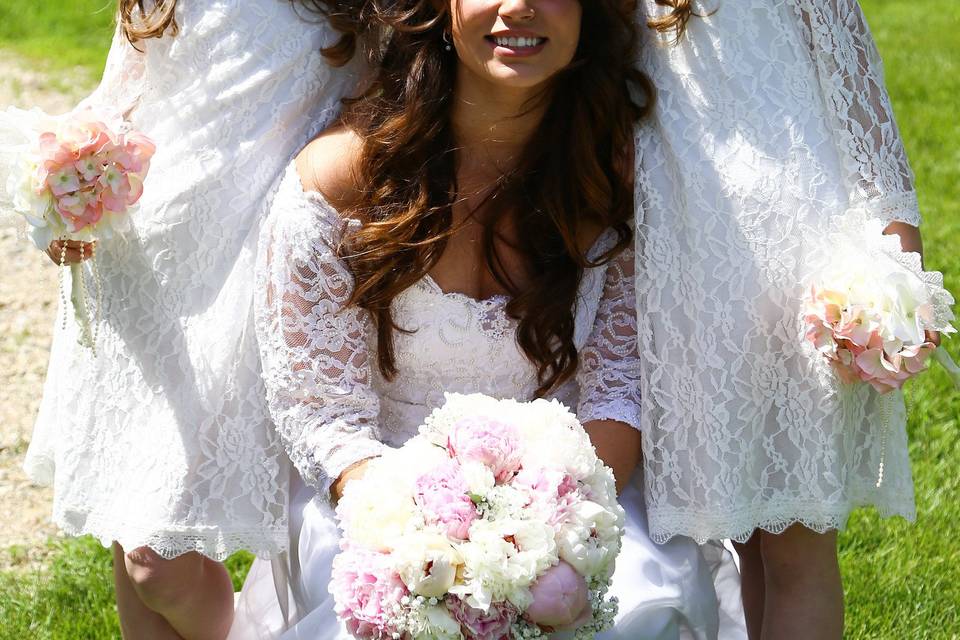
<point x="214" y="542"/>
<point x="740" y="525"/>
<point x="896" y="207"/>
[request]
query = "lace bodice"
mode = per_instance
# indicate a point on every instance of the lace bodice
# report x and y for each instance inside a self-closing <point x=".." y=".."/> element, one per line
<point x="327" y="397"/>
<point x="772" y="121"/>
<point x="171" y="416"/>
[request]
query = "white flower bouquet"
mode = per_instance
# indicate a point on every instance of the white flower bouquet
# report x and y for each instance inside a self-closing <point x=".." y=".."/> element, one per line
<point x="871" y="305"/>
<point x="497" y="521"/>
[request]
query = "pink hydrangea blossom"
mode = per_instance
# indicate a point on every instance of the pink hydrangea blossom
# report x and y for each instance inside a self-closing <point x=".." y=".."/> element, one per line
<point x="850" y="337"/>
<point x="89" y="170"/>
<point x="476" y="624"/>
<point x="367" y="592"/>
<point x="488" y="441"/>
<point x="441" y="494"/>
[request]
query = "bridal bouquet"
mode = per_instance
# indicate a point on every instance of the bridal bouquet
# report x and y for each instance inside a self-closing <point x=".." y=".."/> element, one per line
<point x="72" y="177"/>
<point x="497" y="521"/>
<point x="871" y="305"/>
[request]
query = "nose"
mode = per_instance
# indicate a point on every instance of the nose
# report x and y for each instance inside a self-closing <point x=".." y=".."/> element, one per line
<point x="518" y="10"/>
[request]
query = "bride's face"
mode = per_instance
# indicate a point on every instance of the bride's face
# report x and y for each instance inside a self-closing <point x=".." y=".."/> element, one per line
<point x="515" y="43"/>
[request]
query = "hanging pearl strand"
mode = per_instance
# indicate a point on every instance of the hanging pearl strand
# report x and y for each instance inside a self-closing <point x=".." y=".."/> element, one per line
<point x="63" y="287"/>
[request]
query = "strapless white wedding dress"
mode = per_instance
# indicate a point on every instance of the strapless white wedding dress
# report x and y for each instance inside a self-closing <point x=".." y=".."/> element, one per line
<point x="333" y="408"/>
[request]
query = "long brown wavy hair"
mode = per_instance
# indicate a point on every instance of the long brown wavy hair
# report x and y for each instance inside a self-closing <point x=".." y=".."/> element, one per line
<point x="573" y="175"/>
<point x="348" y="17"/>
<point x="676" y="19"/>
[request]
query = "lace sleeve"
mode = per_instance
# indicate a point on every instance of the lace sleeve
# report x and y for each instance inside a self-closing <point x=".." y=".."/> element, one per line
<point x="315" y="361"/>
<point x="122" y="83"/>
<point x="609" y="371"/>
<point x="851" y="78"/>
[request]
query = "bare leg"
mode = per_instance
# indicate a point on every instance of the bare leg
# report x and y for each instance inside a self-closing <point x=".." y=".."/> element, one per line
<point x="804" y="590"/>
<point x="752" y="584"/>
<point x="137" y="621"/>
<point x="193" y="594"/>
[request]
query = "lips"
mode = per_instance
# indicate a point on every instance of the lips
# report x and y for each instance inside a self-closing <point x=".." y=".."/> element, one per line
<point x="516" y="44"/>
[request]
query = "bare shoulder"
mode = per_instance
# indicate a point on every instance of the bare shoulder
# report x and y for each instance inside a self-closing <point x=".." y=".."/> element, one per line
<point x="328" y="165"/>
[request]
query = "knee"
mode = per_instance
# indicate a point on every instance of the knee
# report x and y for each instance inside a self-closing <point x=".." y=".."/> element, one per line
<point x="160" y="583"/>
<point x="798" y="557"/>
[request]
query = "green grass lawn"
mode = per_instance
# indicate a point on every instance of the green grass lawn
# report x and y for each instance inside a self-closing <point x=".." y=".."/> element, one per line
<point x="58" y="34"/>
<point x="902" y="581"/>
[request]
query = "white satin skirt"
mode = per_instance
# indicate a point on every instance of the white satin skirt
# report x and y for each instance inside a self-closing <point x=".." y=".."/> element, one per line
<point x="674" y="591"/>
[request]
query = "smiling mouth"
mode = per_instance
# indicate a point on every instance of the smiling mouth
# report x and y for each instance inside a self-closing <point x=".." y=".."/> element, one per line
<point x="511" y="42"/>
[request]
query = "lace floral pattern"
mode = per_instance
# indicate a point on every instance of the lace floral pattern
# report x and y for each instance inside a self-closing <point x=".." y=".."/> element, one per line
<point x="326" y="394"/>
<point x="771" y="120"/>
<point x="163" y="438"/>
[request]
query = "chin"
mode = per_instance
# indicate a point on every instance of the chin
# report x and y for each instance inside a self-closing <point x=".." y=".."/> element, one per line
<point x="518" y="79"/>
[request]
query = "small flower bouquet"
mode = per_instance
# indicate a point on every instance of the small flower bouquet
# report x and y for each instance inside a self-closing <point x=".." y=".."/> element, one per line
<point x="497" y="521"/>
<point x="871" y="305"/>
<point x="72" y="177"/>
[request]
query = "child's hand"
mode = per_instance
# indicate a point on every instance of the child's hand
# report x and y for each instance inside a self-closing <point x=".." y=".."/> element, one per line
<point x="934" y="337"/>
<point x="76" y="252"/>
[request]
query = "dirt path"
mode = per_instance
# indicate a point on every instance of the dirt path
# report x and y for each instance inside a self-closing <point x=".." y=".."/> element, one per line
<point x="28" y="304"/>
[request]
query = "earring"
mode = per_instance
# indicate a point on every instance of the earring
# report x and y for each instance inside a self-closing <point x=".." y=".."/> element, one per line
<point x="447" y="43"/>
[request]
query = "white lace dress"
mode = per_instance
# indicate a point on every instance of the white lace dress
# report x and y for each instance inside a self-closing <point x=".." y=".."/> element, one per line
<point x="772" y="121"/>
<point x="163" y="438"/>
<point x="334" y="408"/>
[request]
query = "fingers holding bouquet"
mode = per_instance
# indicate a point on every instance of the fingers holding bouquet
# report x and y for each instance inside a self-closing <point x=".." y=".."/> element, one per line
<point x="354" y="472"/>
<point x="63" y="252"/>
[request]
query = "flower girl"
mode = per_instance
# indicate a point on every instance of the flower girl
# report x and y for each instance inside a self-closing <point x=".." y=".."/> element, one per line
<point x="159" y="440"/>
<point x="772" y="126"/>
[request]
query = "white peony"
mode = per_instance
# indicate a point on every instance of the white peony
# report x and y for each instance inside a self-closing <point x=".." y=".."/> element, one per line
<point x="433" y="622"/>
<point x="501" y="561"/>
<point x="553" y="438"/>
<point x="590" y="540"/>
<point x="479" y="478"/>
<point x="377" y="511"/>
<point x="426" y="562"/>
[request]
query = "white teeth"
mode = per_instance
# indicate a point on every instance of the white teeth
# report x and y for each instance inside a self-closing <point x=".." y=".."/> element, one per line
<point x="517" y="42"/>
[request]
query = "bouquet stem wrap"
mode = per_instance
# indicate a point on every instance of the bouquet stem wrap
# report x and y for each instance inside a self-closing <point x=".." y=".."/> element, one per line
<point x="79" y="301"/>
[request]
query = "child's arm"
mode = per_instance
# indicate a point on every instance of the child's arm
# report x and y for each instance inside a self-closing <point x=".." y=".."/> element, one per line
<point x="122" y="83"/>
<point x="860" y="116"/>
<point x="119" y="91"/>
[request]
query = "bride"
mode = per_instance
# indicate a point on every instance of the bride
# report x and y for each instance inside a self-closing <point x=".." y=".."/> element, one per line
<point x="465" y="229"/>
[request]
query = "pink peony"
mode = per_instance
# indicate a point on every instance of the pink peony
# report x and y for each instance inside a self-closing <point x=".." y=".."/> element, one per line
<point x="476" y="624"/>
<point x="441" y="494"/>
<point x="495" y="444"/>
<point x="560" y="598"/>
<point x="555" y="491"/>
<point x="366" y="592"/>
